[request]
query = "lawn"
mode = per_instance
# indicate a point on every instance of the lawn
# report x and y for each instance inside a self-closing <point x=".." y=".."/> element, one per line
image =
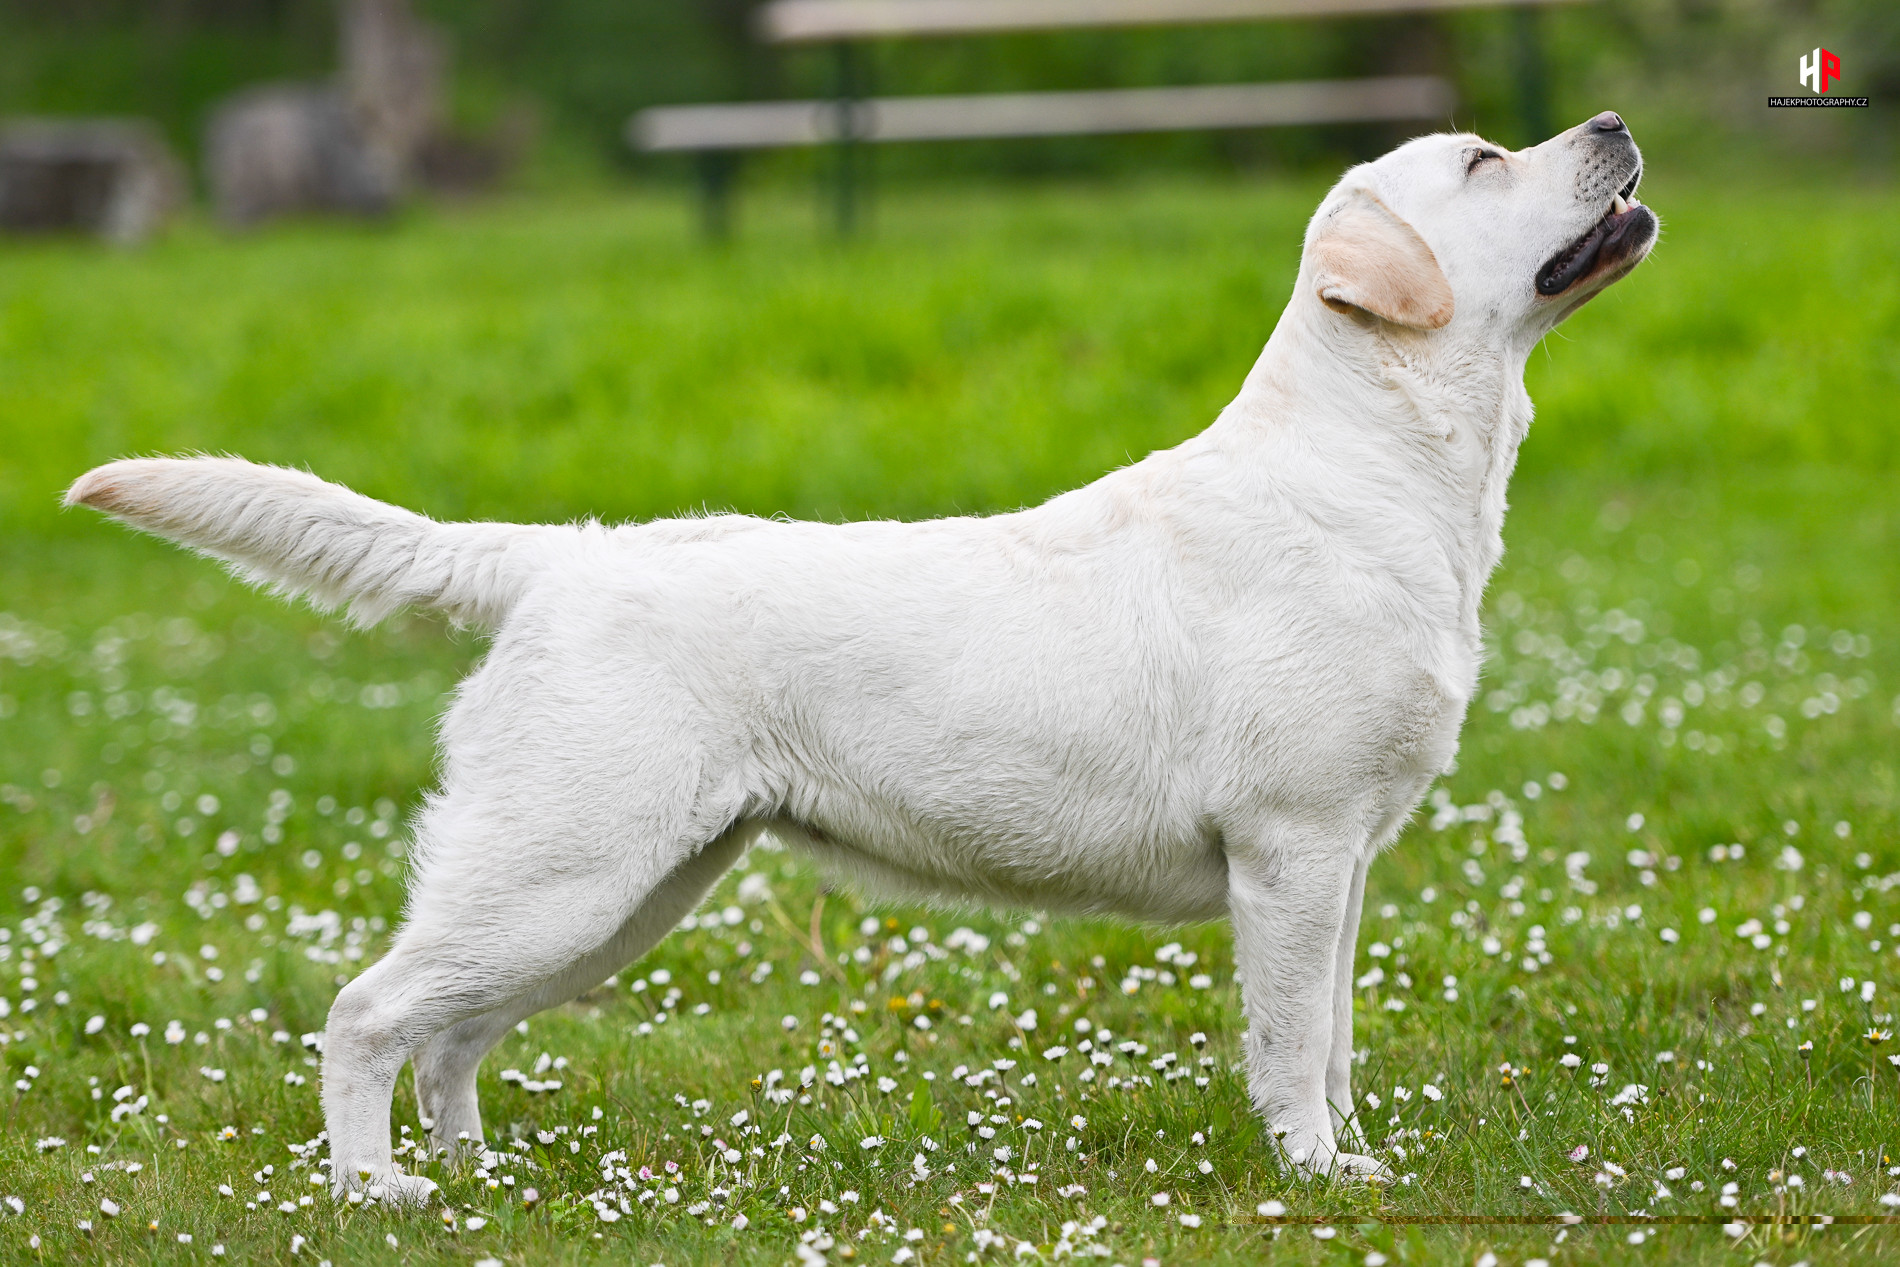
<point x="1632" y="958"/>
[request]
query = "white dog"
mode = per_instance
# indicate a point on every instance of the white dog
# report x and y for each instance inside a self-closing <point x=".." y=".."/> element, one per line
<point x="1212" y="683"/>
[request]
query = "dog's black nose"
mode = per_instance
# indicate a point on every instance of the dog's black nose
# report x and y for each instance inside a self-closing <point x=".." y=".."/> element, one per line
<point x="1608" y="121"/>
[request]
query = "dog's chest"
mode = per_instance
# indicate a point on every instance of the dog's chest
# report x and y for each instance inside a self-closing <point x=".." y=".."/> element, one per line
<point x="1109" y="776"/>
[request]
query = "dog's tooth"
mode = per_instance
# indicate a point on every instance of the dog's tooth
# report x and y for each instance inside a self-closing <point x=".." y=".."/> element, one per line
<point x="1617" y="205"/>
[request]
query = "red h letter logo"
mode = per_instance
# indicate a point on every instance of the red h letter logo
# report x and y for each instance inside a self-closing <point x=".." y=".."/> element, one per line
<point x="1821" y="71"/>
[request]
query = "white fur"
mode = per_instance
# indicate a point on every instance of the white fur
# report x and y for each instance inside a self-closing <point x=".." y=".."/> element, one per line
<point x="1212" y="683"/>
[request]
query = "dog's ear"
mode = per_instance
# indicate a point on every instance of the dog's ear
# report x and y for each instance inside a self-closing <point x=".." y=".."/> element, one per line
<point x="1364" y="256"/>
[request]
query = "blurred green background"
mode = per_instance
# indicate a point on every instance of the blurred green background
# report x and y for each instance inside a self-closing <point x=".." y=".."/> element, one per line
<point x="988" y="346"/>
<point x="1696" y="70"/>
<point x="1714" y="460"/>
<point x="1021" y="317"/>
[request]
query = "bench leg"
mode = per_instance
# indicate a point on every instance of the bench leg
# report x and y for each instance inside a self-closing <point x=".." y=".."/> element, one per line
<point x="844" y="188"/>
<point x="718" y="170"/>
<point x="850" y="89"/>
<point x="1531" y="73"/>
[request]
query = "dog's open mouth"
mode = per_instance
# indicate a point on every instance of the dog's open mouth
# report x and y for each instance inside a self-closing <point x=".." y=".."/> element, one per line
<point x="1625" y="229"/>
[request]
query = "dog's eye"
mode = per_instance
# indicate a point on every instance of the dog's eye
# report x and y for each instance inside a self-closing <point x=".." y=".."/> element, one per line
<point x="1477" y="157"/>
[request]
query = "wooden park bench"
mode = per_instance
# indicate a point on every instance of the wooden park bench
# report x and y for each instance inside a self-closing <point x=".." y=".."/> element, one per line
<point x="718" y="133"/>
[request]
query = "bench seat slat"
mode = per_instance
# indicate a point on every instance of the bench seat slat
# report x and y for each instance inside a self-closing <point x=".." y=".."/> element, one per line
<point x="777" y="124"/>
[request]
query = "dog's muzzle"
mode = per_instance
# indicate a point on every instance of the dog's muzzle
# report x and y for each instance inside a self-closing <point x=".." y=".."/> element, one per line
<point x="1624" y="232"/>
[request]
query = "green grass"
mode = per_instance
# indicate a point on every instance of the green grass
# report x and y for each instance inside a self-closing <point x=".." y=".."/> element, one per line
<point x="1713" y="467"/>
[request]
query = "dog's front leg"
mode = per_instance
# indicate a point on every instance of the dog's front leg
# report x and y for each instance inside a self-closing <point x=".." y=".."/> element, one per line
<point x="1287" y="895"/>
<point x="1339" y="1060"/>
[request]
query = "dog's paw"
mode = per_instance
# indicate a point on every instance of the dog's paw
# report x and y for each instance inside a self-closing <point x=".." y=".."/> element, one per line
<point x="461" y="1149"/>
<point x="390" y="1188"/>
<point x="1328" y="1163"/>
<point x="1359" y="1166"/>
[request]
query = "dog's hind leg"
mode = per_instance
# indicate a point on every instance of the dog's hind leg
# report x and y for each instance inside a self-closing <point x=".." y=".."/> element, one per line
<point x="508" y="907"/>
<point x="445" y="1066"/>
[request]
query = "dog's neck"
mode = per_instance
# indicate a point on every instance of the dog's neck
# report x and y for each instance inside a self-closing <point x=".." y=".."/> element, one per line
<point x="1423" y="428"/>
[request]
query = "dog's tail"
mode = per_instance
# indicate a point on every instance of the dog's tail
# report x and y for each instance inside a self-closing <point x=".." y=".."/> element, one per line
<point x="299" y="535"/>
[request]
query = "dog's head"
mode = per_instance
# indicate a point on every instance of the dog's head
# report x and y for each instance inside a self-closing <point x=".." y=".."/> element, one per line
<point x="1451" y="232"/>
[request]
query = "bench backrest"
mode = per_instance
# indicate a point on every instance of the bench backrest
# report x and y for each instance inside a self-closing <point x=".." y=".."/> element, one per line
<point x="810" y="21"/>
